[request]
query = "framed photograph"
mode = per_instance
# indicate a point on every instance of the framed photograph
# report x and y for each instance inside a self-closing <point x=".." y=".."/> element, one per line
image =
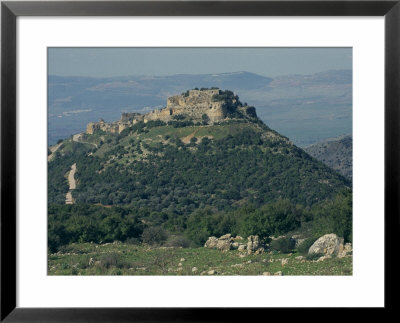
<point x="172" y="160"/>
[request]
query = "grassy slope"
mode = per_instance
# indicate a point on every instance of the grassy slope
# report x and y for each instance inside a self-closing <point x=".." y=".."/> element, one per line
<point x="125" y="259"/>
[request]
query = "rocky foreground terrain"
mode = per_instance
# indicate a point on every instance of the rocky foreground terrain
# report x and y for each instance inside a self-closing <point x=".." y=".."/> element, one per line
<point x="220" y="256"/>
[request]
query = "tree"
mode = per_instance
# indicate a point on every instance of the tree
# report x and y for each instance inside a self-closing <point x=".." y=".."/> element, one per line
<point x="205" y="119"/>
<point x="335" y="216"/>
<point x="154" y="235"/>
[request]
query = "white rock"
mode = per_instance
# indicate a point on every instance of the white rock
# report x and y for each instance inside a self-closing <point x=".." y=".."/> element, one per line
<point x="259" y="251"/>
<point x="252" y="244"/>
<point x="323" y="258"/>
<point x="224" y="245"/>
<point x="347" y="249"/>
<point x="329" y="245"/>
<point x="238" y="238"/>
<point x="211" y="243"/>
<point x="225" y="237"/>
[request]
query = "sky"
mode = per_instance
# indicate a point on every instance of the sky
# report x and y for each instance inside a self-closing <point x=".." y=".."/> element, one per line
<point x="110" y="62"/>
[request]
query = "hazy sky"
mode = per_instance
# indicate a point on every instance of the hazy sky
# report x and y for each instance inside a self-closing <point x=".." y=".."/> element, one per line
<point x="104" y="62"/>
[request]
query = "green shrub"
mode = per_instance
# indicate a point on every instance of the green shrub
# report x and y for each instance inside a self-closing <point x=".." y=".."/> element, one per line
<point x="178" y="117"/>
<point x="154" y="235"/>
<point x="335" y="216"/>
<point x="132" y="241"/>
<point x="283" y="245"/>
<point x="273" y="218"/>
<point x="178" y="241"/>
<point x="205" y="119"/>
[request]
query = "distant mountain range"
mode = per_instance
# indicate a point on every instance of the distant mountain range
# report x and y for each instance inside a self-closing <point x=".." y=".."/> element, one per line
<point x="304" y="108"/>
<point x="337" y="153"/>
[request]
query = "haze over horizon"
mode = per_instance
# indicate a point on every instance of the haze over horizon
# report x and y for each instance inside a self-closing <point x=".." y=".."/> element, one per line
<point x="269" y="62"/>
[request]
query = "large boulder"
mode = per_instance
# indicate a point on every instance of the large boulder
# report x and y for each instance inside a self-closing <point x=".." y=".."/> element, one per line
<point x="328" y="245"/>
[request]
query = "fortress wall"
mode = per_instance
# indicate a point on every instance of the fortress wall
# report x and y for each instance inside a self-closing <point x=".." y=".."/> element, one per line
<point x="127" y="117"/>
<point x="199" y="92"/>
<point x="195" y="105"/>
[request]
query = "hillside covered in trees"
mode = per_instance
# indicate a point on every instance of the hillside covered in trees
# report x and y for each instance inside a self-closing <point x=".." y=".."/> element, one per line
<point x="185" y="179"/>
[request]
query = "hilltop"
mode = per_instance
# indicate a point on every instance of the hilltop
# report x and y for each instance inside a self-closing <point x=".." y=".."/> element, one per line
<point x="204" y="106"/>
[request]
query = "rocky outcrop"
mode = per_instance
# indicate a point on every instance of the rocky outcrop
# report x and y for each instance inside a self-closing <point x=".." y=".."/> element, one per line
<point x="253" y="244"/>
<point x="211" y="243"/>
<point x="345" y="251"/>
<point x="227" y="242"/>
<point x="327" y="245"/>
<point x="224" y="243"/>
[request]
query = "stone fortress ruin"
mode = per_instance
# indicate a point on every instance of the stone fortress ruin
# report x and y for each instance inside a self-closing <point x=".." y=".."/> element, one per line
<point x="193" y="104"/>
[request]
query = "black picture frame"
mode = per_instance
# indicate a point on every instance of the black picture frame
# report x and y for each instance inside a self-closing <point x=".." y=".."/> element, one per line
<point x="10" y="10"/>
